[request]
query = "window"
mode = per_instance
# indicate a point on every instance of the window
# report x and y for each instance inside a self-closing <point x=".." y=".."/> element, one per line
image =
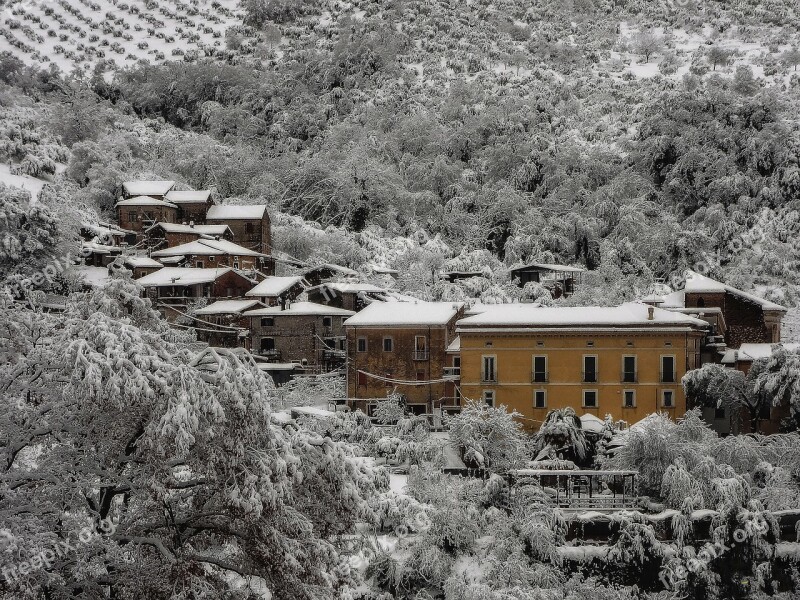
<point x="361" y="344"/>
<point x="248" y="228"/>
<point x="421" y="376"/>
<point x="420" y="343"/>
<point x="388" y="344"/>
<point x="212" y="259"/>
<point x="488" y="397"/>
<point x="628" y="398"/>
<point x="267" y="321"/>
<point x="344" y="319"/>
<point x="629" y="369"/>
<point x="540" y="399"/>
<point x="362" y="378"/>
<point x="590" y="398"/>
<point x="719" y="413"/>
<point x="235" y="264"/>
<point x="199" y="264"/>
<point x="267" y="345"/>
<point x="327" y="321"/>
<point x="330" y="343"/>
<point x="342" y="344"/>
<point x="667" y="398"/>
<point x="590" y="343"/>
<point x="668" y="369"/>
<point x="489" y="370"/>
<point x="539" y="369"/>
<point x="132" y="216"/>
<point x="590" y="368"/>
<point x="701" y="302"/>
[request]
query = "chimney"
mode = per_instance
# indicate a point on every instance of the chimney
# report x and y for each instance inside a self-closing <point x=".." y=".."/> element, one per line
<point x="650" y="312"/>
<point x="191" y="223"/>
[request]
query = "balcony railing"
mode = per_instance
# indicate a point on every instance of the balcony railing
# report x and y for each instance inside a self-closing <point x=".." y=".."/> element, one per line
<point x="540" y="376"/>
<point x="629" y="377"/>
<point x="452" y="371"/>
<point x="421" y="354"/>
<point x="270" y="353"/>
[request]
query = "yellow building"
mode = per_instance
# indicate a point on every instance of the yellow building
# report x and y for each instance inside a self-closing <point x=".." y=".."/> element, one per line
<point x="626" y="361"/>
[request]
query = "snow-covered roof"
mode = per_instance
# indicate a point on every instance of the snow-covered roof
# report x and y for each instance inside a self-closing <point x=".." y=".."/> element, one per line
<point x="219" y="229"/>
<point x="95" y="277"/>
<point x="302" y="308"/>
<point x="399" y="314"/>
<point x="181" y="276"/>
<point x="751" y="352"/>
<point x="332" y="267"/>
<point x="227" y="307"/>
<point x="187" y="196"/>
<point x="351" y="288"/>
<point x="592" y="423"/>
<point x="548" y="267"/>
<point x="455" y="345"/>
<point x="171" y="260"/>
<point x="147" y="188"/>
<point x="234" y="212"/>
<point x="700" y="284"/>
<point x="208" y="248"/>
<point x="142" y="261"/>
<point x="106" y="229"/>
<point x="530" y="316"/>
<point x="274" y="286"/>
<point x="145" y="201"/>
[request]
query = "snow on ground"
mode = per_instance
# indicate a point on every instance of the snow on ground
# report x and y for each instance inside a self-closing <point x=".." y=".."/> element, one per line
<point x="397" y="482"/>
<point x="26" y="182"/>
<point x="82" y="32"/>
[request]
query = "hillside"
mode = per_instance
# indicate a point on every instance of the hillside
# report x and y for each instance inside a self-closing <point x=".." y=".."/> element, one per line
<point x="637" y="139"/>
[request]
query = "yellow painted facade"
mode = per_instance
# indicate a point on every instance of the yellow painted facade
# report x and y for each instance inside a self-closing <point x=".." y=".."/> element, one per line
<point x="580" y="365"/>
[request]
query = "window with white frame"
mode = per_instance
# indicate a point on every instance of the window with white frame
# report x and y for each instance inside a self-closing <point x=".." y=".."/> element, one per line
<point x="667" y="398"/>
<point x="540" y="399"/>
<point x="590" y="398"/>
<point x="629" y="398"/>
<point x="489" y="368"/>
<point x="488" y="397"/>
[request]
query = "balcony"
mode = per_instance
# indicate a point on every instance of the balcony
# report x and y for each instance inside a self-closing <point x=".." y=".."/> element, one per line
<point x="421" y="355"/>
<point x="452" y="372"/>
<point x="271" y="354"/>
<point x="629" y="377"/>
<point x="540" y="376"/>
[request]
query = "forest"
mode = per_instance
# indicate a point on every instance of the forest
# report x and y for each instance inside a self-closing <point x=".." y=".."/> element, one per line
<point x="635" y="139"/>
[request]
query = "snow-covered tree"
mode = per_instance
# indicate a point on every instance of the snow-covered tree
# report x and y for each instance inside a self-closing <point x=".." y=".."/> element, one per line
<point x="109" y="419"/>
<point x="488" y="436"/>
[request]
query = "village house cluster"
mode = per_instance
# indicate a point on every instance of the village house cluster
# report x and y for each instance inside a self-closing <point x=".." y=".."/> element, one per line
<point x="212" y="268"/>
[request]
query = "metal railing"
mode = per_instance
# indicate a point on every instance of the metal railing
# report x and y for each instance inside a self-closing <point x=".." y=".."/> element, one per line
<point x="540" y="376"/>
<point x="421" y="354"/>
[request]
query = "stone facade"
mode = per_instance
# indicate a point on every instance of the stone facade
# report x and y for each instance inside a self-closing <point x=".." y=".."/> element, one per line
<point x="745" y="322"/>
<point x="315" y="339"/>
<point x="254" y="234"/>
<point x="418" y="353"/>
<point x="140" y="217"/>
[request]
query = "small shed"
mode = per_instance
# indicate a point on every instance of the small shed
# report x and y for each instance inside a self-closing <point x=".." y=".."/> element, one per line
<point x="561" y="279"/>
